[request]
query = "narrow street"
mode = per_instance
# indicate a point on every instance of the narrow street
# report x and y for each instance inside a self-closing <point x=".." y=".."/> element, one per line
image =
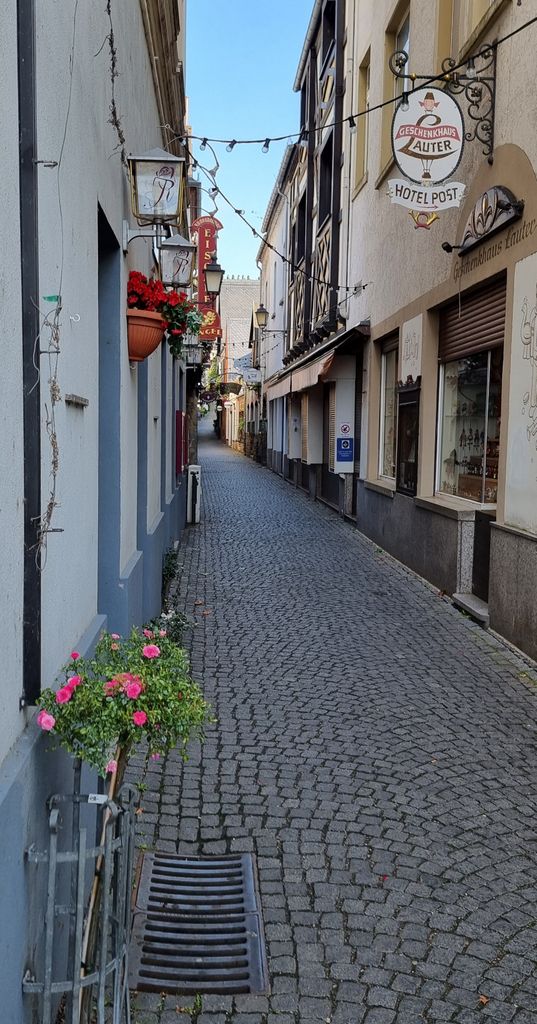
<point x="376" y="750"/>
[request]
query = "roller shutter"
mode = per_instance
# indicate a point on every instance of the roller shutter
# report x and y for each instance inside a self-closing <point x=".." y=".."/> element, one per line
<point x="474" y="323"/>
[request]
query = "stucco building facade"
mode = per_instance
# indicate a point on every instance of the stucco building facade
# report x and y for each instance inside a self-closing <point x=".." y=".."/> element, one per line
<point x="427" y="333"/>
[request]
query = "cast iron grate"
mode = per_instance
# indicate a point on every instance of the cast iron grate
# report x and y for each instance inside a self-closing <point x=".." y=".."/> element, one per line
<point x="197" y="927"/>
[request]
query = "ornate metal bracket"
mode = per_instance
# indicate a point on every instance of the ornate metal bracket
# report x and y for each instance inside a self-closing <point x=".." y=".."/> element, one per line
<point x="476" y="81"/>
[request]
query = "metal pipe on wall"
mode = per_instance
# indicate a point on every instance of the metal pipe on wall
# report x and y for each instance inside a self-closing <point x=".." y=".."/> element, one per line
<point x="28" y="204"/>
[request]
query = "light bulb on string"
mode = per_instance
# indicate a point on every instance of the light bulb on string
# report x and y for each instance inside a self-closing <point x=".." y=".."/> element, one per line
<point x="265" y="147"/>
<point x="404" y="105"/>
<point x="203" y="144"/>
<point x="231" y="145"/>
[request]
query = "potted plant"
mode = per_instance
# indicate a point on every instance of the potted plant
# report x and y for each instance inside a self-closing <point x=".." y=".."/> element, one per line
<point x="145" y="323"/>
<point x="152" y="311"/>
<point x="134" y="689"/>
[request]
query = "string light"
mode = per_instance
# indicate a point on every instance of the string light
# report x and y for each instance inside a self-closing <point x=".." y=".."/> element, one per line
<point x="301" y="136"/>
<point x="266" y="145"/>
<point x="203" y="144"/>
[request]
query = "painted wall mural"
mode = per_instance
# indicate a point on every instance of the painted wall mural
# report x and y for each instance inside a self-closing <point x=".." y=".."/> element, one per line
<point x="521" y="478"/>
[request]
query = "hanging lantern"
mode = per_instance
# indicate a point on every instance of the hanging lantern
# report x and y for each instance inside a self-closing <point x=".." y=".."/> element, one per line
<point x="176" y="257"/>
<point x="156" y="186"/>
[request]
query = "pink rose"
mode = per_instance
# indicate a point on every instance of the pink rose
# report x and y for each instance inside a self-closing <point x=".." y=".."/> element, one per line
<point x="64" y="695"/>
<point x="114" y="647"/>
<point x="133" y="689"/>
<point x="162" y="632"/>
<point x="148" y="634"/>
<point x="115" y="636"/>
<point x="74" y="655"/>
<point x="139" y="718"/>
<point x="45" y="721"/>
<point x="110" y="687"/>
<point x="155" y="757"/>
<point x="150" y="651"/>
<point x="73" y="682"/>
<point x="111" y="766"/>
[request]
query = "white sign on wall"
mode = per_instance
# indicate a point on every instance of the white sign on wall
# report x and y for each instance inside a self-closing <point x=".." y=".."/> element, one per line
<point x="411" y="344"/>
<point x="521" y="476"/>
<point x="251" y="376"/>
<point x="243" y="361"/>
<point x="428" y="136"/>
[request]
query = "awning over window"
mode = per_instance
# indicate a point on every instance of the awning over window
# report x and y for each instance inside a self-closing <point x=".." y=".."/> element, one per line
<point x="310" y="375"/>
<point x="279" y="388"/>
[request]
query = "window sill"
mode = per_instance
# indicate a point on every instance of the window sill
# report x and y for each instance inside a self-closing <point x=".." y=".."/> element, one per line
<point x="386" y="487"/>
<point x="360" y="185"/>
<point x="385" y="172"/>
<point x="452" y="507"/>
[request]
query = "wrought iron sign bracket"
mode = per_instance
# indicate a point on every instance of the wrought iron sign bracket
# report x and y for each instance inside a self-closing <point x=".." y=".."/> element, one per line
<point x="476" y="81"/>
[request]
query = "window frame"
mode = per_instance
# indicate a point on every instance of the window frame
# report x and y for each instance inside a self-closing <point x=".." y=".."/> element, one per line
<point x="387" y="350"/>
<point x="362" y="127"/>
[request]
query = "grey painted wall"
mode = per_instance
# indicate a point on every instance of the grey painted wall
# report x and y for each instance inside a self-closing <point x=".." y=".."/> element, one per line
<point x="433" y="545"/>
<point x="513" y="572"/>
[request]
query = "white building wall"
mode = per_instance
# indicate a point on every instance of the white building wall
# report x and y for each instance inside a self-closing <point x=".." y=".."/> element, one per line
<point x="11" y="458"/>
<point x="90" y="172"/>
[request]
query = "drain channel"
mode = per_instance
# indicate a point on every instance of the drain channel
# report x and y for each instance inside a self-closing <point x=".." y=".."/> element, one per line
<point x="197" y="927"/>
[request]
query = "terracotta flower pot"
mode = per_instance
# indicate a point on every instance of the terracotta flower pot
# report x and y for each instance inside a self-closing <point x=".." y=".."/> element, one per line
<point x="145" y="331"/>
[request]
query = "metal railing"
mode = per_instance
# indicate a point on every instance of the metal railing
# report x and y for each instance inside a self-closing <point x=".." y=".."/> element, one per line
<point x="97" y="958"/>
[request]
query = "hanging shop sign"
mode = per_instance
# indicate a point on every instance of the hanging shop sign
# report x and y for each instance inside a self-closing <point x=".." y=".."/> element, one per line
<point x="428" y="136"/>
<point x="251" y="376"/>
<point x="243" y="361"/>
<point x="205" y="230"/>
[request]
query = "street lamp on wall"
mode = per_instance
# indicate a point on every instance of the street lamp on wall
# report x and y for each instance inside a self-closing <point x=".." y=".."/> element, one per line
<point x="214" y="276"/>
<point x="176" y="256"/>
<point x="261" y="315"/>
<point x="156" y="187"/>
<point x="156" y="182"/>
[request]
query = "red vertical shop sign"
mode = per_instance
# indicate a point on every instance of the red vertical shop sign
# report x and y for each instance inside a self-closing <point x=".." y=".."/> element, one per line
<point x="206" y="229"/>
<point x="185" y="441"/>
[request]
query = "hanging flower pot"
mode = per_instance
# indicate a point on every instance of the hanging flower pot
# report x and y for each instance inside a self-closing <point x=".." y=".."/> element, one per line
<point x="145" y="330"/>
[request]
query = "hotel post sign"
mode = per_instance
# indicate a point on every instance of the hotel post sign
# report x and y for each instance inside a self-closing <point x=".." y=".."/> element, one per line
<point x="206" y="229"/>
<point x="427" y="143"/>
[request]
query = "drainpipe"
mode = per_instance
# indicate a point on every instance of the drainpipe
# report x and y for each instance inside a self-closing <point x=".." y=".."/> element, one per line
<point x="30" y="332"/>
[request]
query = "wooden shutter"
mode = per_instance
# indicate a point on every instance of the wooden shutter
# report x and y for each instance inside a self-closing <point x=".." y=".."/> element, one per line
<point x="332" y="428"/>
<point x="304" y="421"/>
<point x="477" y="325"/>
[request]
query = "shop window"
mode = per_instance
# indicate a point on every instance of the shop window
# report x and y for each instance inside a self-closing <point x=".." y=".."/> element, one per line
<point x="388" y="413"/>
<point x="470" y="410"/>
<point x="408" y="418"/>
<point x="325" y="182"/>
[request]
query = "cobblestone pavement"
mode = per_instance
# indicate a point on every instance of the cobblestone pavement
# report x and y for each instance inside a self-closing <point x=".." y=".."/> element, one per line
<point x="378" y="753"/>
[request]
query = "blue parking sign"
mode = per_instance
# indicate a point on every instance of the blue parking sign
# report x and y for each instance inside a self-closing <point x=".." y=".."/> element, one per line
<point x="345" y="449"/>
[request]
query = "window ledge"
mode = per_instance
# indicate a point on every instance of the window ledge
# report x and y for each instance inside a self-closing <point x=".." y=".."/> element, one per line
<point x="385" y="172"/>
<point x="386" y="487"/>
<point x="452" y="507"/>
<point x="358" y="188"/>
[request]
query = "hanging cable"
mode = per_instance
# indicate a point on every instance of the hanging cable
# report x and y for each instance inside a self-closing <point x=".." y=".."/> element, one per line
<point x="306" y="132"/>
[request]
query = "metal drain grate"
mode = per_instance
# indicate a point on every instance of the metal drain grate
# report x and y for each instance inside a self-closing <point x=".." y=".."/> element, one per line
<point x="197" y="927"/>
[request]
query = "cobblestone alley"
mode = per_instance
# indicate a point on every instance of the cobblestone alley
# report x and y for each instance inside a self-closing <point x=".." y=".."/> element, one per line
<point x="376" y="751"/>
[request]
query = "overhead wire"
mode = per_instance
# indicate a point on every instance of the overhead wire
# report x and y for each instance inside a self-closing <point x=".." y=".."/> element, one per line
<point x="442" y="76"/>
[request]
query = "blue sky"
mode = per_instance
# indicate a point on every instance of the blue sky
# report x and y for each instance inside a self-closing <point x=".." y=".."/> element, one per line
<point x="241" y="60"/>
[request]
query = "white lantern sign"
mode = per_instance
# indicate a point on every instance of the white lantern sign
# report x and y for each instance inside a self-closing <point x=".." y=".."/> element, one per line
<point x="428" y="136"/>
<point x="156" y="186"/>
<point x="176" y="257"/>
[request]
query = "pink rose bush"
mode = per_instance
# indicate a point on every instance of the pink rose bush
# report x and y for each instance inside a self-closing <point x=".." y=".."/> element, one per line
<point x="128" y="692"/>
